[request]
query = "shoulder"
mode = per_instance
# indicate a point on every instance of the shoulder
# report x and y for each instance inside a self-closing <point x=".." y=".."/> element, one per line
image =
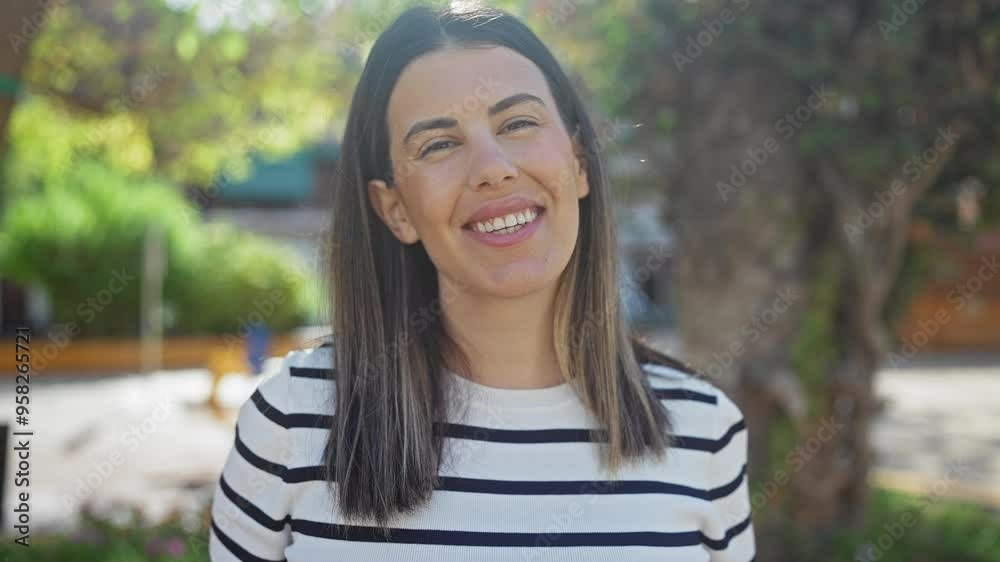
<point x="670" y="382"/>
<point x="296" y="386"/>
<point x="285" y="415"/>
<point x="698" y="405"/>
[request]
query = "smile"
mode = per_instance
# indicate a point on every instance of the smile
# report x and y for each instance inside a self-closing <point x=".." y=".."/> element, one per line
<point x="507" y="229"/>
<point x="511" y="222"/>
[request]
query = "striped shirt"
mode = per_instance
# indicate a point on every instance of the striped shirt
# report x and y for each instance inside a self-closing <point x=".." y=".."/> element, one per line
<point x="521" y="481"/>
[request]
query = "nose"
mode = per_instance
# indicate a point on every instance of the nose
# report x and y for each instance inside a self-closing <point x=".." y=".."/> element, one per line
<point x="489" y="164"/>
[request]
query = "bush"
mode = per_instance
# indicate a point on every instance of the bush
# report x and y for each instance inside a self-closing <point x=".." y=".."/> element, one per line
<point x="83" y="241"/>
<point x="97" y="540"/>
<point x="237" y="280"/>
<point x="919" y="529"/>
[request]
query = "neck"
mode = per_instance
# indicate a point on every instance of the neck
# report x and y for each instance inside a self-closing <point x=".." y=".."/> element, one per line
<point x="508" y="341"/>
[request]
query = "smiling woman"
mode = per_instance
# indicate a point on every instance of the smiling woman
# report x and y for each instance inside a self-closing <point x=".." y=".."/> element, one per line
<point x="481" y="396"/>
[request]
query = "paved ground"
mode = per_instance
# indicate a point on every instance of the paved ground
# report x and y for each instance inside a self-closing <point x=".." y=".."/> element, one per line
<point x="133" y="440"/>
<point x="942" y="417"/>
<point x="149" y="440"/>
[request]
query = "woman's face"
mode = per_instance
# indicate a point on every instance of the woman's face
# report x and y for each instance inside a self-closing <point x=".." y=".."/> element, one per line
<point x="476" y="143"/>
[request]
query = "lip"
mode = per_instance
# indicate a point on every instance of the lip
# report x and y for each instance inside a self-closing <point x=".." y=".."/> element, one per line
<point x="499" y="208"/>
<point x="501" y="240"/>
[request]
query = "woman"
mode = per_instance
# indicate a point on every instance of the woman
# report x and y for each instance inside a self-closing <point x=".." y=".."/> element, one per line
<point x="481" y="397"/>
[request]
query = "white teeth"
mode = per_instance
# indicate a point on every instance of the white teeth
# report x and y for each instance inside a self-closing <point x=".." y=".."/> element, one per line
<point x="509" y="223"/>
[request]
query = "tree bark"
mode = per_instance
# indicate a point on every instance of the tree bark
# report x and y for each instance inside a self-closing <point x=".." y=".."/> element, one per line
<point x="742" y="276"/>
<point x="18" y="32"/>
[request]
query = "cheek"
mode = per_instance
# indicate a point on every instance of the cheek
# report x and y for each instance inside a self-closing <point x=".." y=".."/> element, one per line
<point x="433" y="194"/>
<point x="549" y="161"/>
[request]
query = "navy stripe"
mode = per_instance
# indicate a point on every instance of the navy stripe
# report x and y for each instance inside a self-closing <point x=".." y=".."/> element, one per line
<point x="723" y="543"/>
<point x="709" y="445"/>
<point x="257" y="461"/>
<point x="237" y="550"/>
<point x="288" y="475"/>
<point x="476" y="433"/>
<point x="567" y="487"/>
<point x="684" y="394"/>
<point x="358" y="533"/>
<point x="304" y="474"/>
<point x="251" y="510"/>
<point x="311" y="372"/>
<point x="725" y="490"/>
<point x="537" y="487"/>
<point x="289" y="421"/>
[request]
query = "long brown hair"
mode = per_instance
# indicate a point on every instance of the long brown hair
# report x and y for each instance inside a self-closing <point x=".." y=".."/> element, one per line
<point x="389" y="345"/>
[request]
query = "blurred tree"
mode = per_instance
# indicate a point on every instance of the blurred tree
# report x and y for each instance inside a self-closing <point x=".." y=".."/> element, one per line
<point x="803" y="134"/>
<point x="18" y="29"/>
<point x="788" y="123"/>
<point x="182" y="89"/>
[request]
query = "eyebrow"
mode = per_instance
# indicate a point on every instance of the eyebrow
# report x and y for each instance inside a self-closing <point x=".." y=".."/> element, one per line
<point x="447" y="122"/>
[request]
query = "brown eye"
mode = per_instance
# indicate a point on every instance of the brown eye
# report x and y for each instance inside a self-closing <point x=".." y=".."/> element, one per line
<point x="526" y="122"/>
<point x="433" y="147"/>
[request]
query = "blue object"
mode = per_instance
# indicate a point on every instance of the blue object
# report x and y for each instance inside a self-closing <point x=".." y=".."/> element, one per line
<point x="258" y="345"/>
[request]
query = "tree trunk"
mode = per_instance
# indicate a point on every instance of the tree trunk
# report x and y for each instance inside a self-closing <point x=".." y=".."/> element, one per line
<point x="744" y="272"/>
<point x="776" y="302"/>
<point x="18" y="32"/>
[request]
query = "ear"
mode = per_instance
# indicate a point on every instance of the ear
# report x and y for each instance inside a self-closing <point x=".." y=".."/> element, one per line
<point x="580" y="167"/>
<point x="389" y="206"/>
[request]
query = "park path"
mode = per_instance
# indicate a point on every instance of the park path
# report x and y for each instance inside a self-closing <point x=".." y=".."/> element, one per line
<point x="150" y="441"/>
<point x="941" y="417"/>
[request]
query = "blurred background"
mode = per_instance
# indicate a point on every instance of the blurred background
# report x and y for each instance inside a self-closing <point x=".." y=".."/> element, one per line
<point x="808" y="212"/>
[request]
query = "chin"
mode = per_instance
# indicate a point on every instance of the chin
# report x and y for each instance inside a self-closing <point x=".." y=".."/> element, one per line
<point x="519" y="284"/>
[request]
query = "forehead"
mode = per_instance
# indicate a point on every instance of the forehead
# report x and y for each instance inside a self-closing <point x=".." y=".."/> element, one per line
<point x="457" y="82"/>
